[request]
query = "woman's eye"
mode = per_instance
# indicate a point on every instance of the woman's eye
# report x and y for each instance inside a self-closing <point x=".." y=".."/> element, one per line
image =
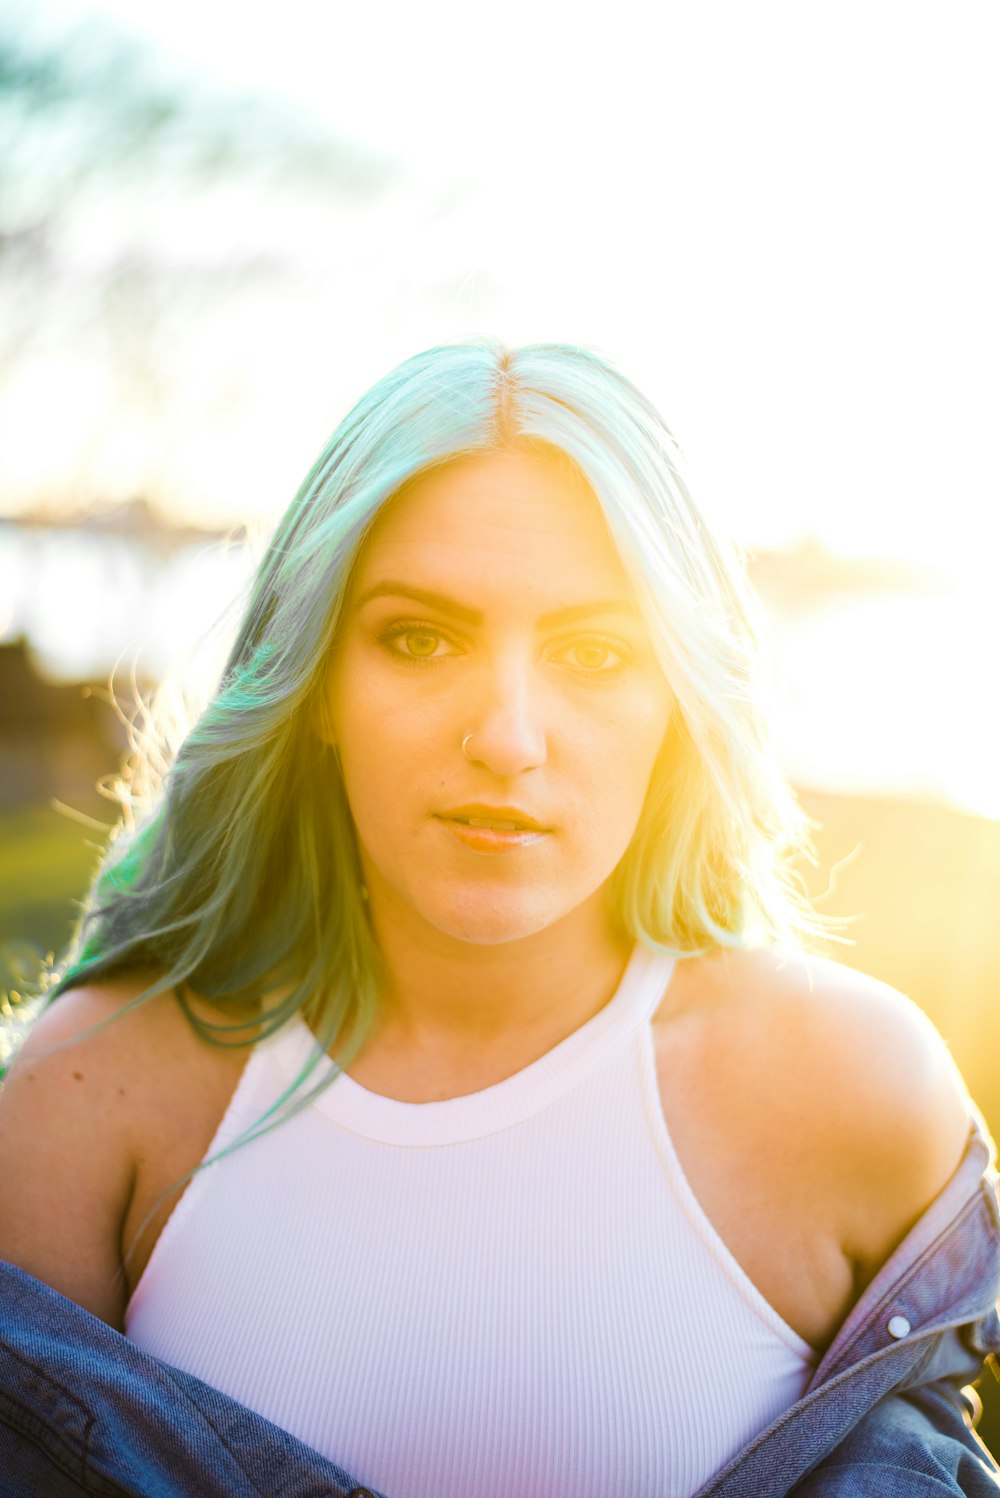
<point x="418" y="643"/>
<point x="598" y="657"/>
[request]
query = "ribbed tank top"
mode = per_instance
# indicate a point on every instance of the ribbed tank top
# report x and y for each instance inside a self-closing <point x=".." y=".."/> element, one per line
<point x="499" y="1295"/>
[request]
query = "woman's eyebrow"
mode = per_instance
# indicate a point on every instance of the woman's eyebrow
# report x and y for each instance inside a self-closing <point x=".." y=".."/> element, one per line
<point x="569" y="615"/>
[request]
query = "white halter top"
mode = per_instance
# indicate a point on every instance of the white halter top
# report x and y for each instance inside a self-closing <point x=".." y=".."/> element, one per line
<point x="496" y="1296"/>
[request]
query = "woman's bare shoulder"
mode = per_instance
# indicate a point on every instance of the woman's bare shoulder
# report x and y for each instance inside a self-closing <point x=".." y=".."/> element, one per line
<point x="808" y="1016"/>
<point x="113" y="1042"/>
<point x="836" y="1071"/>
<point x="76" y="1110"/>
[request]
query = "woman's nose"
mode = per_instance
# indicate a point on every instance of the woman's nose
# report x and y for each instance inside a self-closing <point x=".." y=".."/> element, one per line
<point x="506" y="733"/>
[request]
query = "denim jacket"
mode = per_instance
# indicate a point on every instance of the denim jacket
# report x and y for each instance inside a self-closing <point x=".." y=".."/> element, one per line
<point x="82" y="1410"/>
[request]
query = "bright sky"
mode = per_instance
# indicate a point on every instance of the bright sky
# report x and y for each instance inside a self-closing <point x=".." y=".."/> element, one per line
<point x="779" y="219"/>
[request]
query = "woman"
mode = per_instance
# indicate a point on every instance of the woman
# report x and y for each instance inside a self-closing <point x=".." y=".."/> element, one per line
<point x="461" y="944"/>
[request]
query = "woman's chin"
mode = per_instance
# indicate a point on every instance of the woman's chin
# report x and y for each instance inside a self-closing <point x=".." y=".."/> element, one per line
<point x="492" y="923"/>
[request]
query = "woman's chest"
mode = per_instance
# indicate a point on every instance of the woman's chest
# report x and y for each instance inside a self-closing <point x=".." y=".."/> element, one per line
<point x="483" y="1317"/>
<point x="747" y="1171"/>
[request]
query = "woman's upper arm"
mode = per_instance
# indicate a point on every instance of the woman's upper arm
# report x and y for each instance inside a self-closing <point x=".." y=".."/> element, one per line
<point x="66" y="1143"/>
<point x="893" y="1112"/>
<point x="913" y="1119"/>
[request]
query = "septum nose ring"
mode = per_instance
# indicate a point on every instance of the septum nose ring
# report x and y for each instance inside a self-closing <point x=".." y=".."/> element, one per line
<point x="465" y="747"/>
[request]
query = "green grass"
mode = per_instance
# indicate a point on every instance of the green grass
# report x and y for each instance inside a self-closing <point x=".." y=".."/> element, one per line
<point x="47" y="860"/>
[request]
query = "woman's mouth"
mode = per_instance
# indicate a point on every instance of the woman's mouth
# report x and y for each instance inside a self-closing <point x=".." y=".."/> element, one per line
<point x="495" y="823"/>
<point x="486" y="831"/>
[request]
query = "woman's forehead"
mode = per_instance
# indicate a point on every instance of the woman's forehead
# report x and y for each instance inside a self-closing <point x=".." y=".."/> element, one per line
<point x="511" y="511"/>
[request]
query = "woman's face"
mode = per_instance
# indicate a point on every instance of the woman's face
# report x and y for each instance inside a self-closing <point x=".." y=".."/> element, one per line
<point x="488" y="604"/>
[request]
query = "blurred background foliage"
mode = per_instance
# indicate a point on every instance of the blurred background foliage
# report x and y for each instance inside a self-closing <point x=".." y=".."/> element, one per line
<point x="198" y="276"/>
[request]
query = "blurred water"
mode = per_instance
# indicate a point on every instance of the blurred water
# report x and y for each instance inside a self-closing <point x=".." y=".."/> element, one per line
<point x="88" y="604"/>
<point x="874" y="693"/>
<point x="894" y="693"/>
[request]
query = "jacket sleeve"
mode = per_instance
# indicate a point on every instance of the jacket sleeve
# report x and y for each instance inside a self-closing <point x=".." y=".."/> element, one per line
<point x="915" y="1444"/>
<point x="83" y="1410"/>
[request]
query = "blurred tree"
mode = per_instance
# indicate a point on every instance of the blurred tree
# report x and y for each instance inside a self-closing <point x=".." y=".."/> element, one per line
<point x="98" y="108"/>
<point x="135" y="201"/>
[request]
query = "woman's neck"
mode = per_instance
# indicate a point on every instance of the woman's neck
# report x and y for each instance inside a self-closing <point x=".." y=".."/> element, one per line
<point x="457" y="1017"/>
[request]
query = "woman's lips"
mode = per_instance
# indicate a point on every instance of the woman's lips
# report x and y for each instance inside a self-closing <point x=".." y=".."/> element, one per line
<point x="489" y="814"/>
<point x="492" y="838"/>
